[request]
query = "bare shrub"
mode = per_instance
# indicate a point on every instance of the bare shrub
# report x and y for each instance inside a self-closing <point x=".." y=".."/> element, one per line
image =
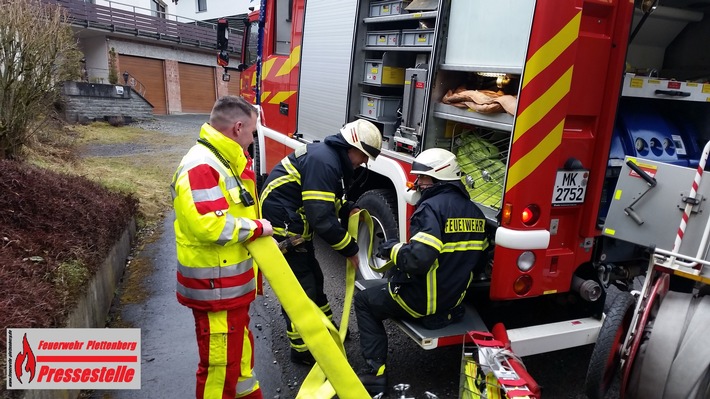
<point x="37" y="53"/>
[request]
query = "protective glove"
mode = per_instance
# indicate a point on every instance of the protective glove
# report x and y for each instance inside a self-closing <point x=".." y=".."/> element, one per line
<point x="386" y="247"/>
<point x="344" y="213"/>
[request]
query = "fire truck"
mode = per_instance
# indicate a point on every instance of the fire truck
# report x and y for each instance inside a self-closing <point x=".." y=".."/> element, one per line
<point x="550" y="107"/>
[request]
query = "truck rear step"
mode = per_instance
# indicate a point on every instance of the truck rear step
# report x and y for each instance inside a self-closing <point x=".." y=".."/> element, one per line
<point x="524" y="341"/>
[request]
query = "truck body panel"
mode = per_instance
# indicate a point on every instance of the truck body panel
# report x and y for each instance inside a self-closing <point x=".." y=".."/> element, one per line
<point x="542" y="167"/>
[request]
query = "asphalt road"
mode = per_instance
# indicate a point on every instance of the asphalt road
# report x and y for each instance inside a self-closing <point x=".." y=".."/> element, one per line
<point x="169" y="351"/>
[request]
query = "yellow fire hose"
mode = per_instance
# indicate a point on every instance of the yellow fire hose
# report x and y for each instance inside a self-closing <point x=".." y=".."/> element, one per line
<point x="332" y="373"/>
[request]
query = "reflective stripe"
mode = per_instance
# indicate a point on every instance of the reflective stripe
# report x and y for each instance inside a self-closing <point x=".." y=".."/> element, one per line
<point x="291" y="170"/>
<point x="245" y="386"/>
<point x="177" y="174"/>
<point x="318" y="196"/>
<point x="207" y="194"/>
<point x="216" y="271"/>
<point x="281" y="231"/>
<point x="463" y="294"/>
<point x="307" y="233"/>
<point x="429" y="240"/>
<point x="401" y="303"/>
<point x="326" y="311"/>
<point x="474" y="245"/>
<point x="227" y="231"/>
<point x="343" y="243"/>
<point x="394" y="251"/>
<point x="215" y="294"/>
<point x="431" y="288"/>
<point x="279" y="181"/>
<point x="492" y="386"/>
<point x="245" y="229"/>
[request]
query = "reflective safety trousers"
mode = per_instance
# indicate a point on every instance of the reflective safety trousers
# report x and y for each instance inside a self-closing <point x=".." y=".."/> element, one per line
<point x="215" y="272"/>
<point x="226" y="349"/>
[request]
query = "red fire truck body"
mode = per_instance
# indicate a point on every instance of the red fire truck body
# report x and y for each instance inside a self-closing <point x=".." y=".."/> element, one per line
<point x="575" y="77"/>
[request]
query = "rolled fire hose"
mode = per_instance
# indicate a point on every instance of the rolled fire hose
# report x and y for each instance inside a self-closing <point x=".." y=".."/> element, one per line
<point x="674" y="362"/>
<point x="332" y="373"/>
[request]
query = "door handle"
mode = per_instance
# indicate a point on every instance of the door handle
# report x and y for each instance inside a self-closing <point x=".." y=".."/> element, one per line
<point x="283" y="108"/>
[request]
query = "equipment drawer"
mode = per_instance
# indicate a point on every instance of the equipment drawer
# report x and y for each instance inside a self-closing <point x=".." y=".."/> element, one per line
<point x="417" y="37"/>
<point x="380" y="108"/>
<point x="378" y="73"/>
<point x="380" y="8"/>
<point x="383" y="38"/>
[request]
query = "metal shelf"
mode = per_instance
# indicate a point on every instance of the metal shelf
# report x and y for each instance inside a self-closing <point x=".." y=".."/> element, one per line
<point x="482" y="68"/>
<point x="498" y="121"/>
<point x="398" y="48"/>
<point x="401" y="17"/>
<point x="382" y="85"/>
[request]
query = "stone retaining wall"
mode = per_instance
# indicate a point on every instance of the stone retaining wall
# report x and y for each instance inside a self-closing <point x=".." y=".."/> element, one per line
<point x="91" y="310"/>
<point x="93" y="101"/>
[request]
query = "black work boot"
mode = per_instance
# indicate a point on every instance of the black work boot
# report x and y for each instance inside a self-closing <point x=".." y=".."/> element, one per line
<point x="304" y="357"/>
<point x="374" y="377"/>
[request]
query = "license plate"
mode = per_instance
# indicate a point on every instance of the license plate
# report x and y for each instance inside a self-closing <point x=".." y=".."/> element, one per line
<point x="570" y="187"/>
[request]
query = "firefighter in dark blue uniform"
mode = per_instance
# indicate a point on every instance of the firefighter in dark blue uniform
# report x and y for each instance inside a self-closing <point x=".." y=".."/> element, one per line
<point x="432" y="271"/>
<point x="304" y="194"/>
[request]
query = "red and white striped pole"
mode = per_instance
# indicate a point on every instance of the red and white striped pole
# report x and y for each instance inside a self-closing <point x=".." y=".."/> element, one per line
<point x="691" y="196"/>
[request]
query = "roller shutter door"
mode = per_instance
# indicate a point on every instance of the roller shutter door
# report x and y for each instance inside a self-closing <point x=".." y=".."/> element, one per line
<point x="233" y="85"/>
<point x="150" y="73"/>
<point x="197" y="88"/>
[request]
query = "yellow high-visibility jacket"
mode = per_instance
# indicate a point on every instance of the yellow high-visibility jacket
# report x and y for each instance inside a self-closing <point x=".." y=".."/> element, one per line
<point x="215" y="271"/>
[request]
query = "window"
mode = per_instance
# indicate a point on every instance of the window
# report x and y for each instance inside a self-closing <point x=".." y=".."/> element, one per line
<point x="252" y="42"/>
<point x="158" y="8"/>
<point x="283" y="27"/>
<point x="201" y="5"/>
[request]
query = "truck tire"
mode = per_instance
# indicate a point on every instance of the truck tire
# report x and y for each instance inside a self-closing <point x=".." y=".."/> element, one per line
<point x="604" y="361"/>
<point x="382" y="205"/>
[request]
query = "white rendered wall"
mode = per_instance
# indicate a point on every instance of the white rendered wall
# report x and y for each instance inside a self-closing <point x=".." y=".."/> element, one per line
<point x="95" y="52"/>
<point x="215" y="8"/>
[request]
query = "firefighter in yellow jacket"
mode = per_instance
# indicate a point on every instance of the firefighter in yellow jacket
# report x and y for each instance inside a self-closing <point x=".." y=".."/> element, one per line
<point x="216" y="209"/>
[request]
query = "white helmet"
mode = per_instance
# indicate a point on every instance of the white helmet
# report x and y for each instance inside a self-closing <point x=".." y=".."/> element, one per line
<point x="364" y="136"/>
<point x="437" y="163"/>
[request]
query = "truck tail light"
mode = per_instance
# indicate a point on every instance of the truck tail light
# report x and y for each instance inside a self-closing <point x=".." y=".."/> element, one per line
<point x="530" y="215"/>
<point x="507" y="213"/>
<point x="522" y="284"/>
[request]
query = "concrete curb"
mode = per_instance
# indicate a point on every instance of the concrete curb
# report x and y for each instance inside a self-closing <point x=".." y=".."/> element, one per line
<point x="91" y="310"/>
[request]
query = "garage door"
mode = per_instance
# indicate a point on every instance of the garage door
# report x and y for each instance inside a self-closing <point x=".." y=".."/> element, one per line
<point x="197" y="91"/>
<point x="150" y="73"/>
<point x="233" y="85"/>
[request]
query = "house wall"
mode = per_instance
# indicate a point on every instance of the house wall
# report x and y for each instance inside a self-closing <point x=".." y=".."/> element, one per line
<point x="215" y="8"/>
<point x="171" y="56"/>
<point x="96" y="54"/>
<point x="139" y="6"/>
<point x="164" y="53"/>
